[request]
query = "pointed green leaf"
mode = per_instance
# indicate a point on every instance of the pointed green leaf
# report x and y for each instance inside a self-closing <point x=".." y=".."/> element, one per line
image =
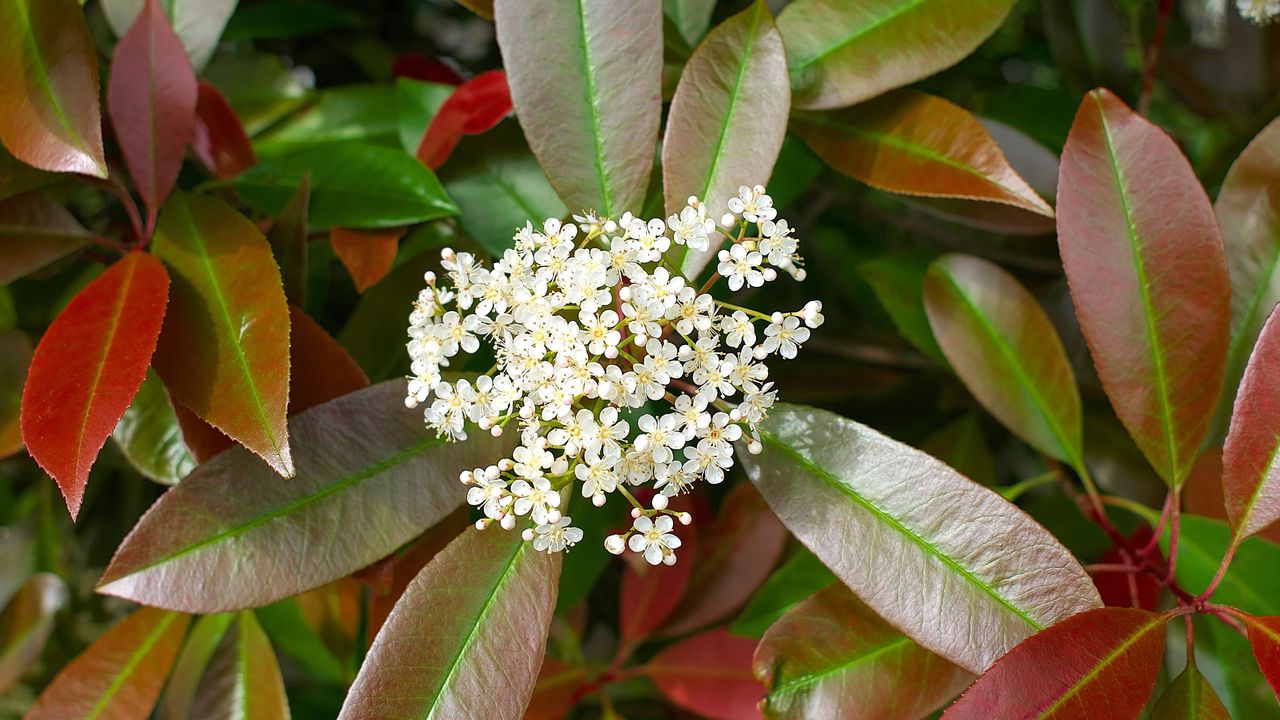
<point x="691" y="17"/>
<point x="242" y="680"/>
<point x="1189" y="697"/>
<point x="231" y="535"/>
<point x="150" y="437"/>
<point x="361" y="113"/>
<point x="468" y="636"/>
<point x="180" y="694"/>
<point x="289" y="240"/>
<point x="590" y="103"/>
<point x="897" y="280"/>
<point x="798" y="579"/>
<point x="978" y="588"/>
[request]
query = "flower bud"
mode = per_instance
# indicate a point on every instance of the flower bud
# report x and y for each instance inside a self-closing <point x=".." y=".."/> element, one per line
<point x="615" y="544"/>
<point x="669" y="558"/>
<point x="553" y="516"/>
<point x="508" y="522"/>
<point x="635" y="512"/>
<point x="598" y="500"/>
<point x="527" y="535"/>
<point x="685" y="518"/>
<point x="660" y="502"/>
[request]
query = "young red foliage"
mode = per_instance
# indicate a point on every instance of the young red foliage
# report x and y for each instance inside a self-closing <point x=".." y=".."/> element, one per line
<point x="1116" y="588"/>
<point x="88" y="366"/>
<point x="417" y="66"/>
<point x="218" y="138"/>
<point x="151" y="99"/>
<point x="1250" y="479"/>
<point x="1098" y="664"/>
<point x="1264" y="638"/>
<point x="710" y="674"/>
<point x="476" y="106"/>
<point x="367" y="254"/>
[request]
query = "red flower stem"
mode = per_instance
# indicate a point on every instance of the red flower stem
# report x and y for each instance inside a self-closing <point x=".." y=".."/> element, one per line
<point x="1222" y="570"/>
<point x="1153" y="55"/>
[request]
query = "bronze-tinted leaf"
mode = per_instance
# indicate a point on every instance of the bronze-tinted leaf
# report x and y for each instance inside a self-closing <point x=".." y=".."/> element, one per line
<point x="26" y="623"/>
<point x="710" y="674"/>
<point x="34" y="232"/>
<point x="468" y="636"/>
<point x="242" y="680"/>
<point x="1250" y="476"/>
<point x="180" y="693"/>
<point x="1189" y="697"/>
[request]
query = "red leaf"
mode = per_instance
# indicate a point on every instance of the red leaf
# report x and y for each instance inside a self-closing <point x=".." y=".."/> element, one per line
<point x="1250" y="477"/>
<point x="390" y="576"/>
<point x="710" y="674"/>
<point x="151" y="99"/>
<point x="420" y="67"/>
<point x="554" y="694"/>
<point x="88" y="366"/>
<point x="1115" y="587"/>
<point x="740" y="551"/>
<point x="1099" y="664"/>
<point x="1264" y="638"/>
<point x="650" y="593"/>
<point x="218" y="138"/>
<point x="476" y="106"/>
<point x="367" y="254"/>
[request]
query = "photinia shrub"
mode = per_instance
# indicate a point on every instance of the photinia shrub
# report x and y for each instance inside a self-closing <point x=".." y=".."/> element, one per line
<point x="646" y="359"/>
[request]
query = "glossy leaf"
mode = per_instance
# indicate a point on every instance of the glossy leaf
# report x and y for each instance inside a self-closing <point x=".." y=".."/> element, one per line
<point x="1248" y="211"/>
<point x="709" y="674"/>
<point x="15" y="358"/>
<point x="728" y="118"/>
<point x="736" y="555"/>
<point x="151" y="98"/>
<point x="26" y="623"/>
<point x="468" y="636"/>
<point x="916" y="144"/>
<point x="322" y="369"/>
<point x="1264" y="638"/>
<point x="288" y="630"/>
<point x="149" y="436"/>
<point x="837" y="484"/>
<point x="218" y="139"/>
<point x="1129" y="262"/>
<point x="391" y="576"/>
<point x="352" y="185"/>
<point x="34" y="232"/>
<point x="797" y="580"/>
<point x="1250" y="477"/>
<point x="119" y="677"/>
<point x="49" y="87"/>
<point x="1007" y="352"/>
<point x="87" y="368"/>
<point x="499" y="187"/>
<point x="199" y="23"/>
<point x="180" y="692"/>
<point x="242" y="680"/>
<point x="590" y="103"/>
<point x="260" y="87"/>
<point x="1248" y="584"/>
<point x="417" y="101"/>
<point x="365" y="464"/>
<point x="348" y="113"/>
<point x="224" y="351"/>
<point x="289" y="237"/>
<point x="831" y="656"/>
<point x="840" y="53"/>
<point x="1189" y="697"/>
<point x="1099" y="664"/>
<point x="691" y="17"/>
<point x="473" y="107"/>
<point x="367" y="254"/>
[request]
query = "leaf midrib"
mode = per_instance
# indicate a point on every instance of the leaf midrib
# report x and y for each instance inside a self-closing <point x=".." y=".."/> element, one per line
<point x="865" y="656"/>
<point x="896" y="525"/>
<point x="42" y="75"/>
<point x="593" y="111"/>
<point x="135" y="659"/>
<point x="1098" y="668"/>
<point x="757" y="12"/>
<point x="856" y="35"/>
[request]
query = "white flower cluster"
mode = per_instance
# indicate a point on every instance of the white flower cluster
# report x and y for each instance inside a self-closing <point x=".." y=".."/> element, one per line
<point x="615" y="371"/>
<point x="1259" y="11"/>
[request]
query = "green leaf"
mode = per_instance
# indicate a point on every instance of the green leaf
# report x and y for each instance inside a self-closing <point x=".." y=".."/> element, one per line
<point x="260" y="87"/>
<point x="1250" y="584"/>
<point x="840" y="53"/>
<point x="1007" y="352"/>
<point x="831" y="656"/>
<point x="467" y="638"/>
<point x="691" y="17"/>
<point x="224" y="350"/>
<point x="353" y="113"/>
<point x="352" y="185"/>
<point x="1189" y="697"/>
<point x="26" y="623"/>
<point x="34" y="232"/>
<point x="120" y="674"/>
<point x="289" y="631"/>
<point x="916" y="144"/>
<point x="149" y="435"/>
<point x="590" y="102"/>
<point x="375" y="341"/>
<point x="961" y="445"/>
<point x="365" y="465"/>
<point x="728" y="119"/>
<point x="49" y="87"/>
<point x="180" y="694"/>
<point x="499" y="187"/>
<point x="797" y="579"/>
<point x="1248" y="211"/>
<point x="272" y="19"/>
<point x="416" y="103"/>
<point x="897" y="280"/>
<point x="198" y="23"/>
<point x="837" y="485"/>
<point x="290" y="241"/>
<point x="1149" y="285"/>
<point x="242" y="680"/>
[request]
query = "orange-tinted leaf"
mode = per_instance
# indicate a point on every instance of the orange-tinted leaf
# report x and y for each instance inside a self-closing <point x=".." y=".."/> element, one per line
<point x="553" y="695"/>
<point x="224" y="352"/>
<point x="1202" y="492"/>
<point x="710" y="674"/>
<point x="119" y="677"/>
<point x="26" y="623"/>
<point x="49" y="87"/>
<point x="333" y="612"/>
<point x="916" y="144"/>
<point x="367" y="254"/>
<point x="740" y="550"/>
<point x="1101" y="664"/>
<point x="1148" y="277"/>
<point x="203" y="439"/>
<point x="650" y="593"/>
<point x="88" y="366"/>
<point x="831" y="656"/>
<point x="1250" y="476"/>
<point x="218" y="138"/>
<point x="34" y="232"/>
<point x="15" y="358"/>
<point x="243" y="680"/>
<point x="151" y="99"/>
<point x="474" y="107"/>
<point x="322" y="369"/>
<point x="1264" y="638"/>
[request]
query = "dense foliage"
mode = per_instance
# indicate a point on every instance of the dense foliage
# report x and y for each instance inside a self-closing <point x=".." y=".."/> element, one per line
<point x="809" y="359"/>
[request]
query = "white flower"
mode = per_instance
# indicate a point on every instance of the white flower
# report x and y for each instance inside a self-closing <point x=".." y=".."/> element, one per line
<point x="741" y="266"/>
<point x="535" y="499"/>
<point x="653" y="538"/>
<point x="492" y="495"/>
<point x="785" y="337"/>
<point x="812" y="313"/>
<point x="659" y="437"/>
<point x="752" y="204"/>
<point x="692" y="227"/>
<point x="556" y="537"/>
